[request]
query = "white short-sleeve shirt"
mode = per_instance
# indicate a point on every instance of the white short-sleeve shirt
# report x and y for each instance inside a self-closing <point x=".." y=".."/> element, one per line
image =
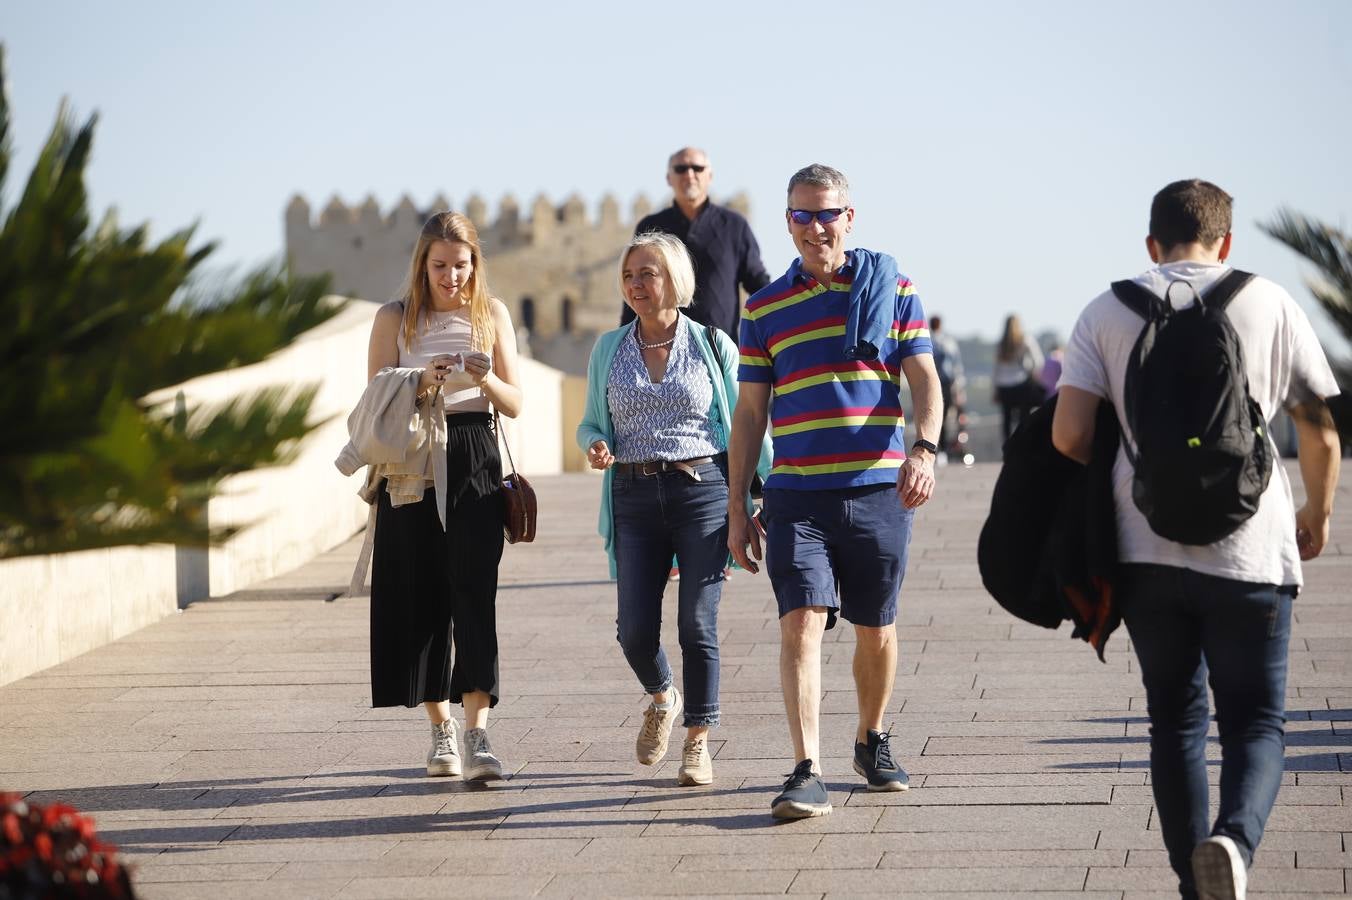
<point x="1285" y="365"/>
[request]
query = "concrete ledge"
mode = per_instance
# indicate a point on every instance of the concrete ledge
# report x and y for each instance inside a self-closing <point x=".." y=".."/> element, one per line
<point x="57" y="607"/>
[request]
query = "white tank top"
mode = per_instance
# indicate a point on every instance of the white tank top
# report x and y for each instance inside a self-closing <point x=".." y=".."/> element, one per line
<point x="440" y="333"/>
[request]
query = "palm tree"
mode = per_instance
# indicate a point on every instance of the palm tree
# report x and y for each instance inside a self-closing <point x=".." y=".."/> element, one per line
<point x="1330" y="250"/>
<point x="96" y="319"/>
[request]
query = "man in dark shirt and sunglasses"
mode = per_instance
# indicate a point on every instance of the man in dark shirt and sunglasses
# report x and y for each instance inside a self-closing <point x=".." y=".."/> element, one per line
<point x="720" y="242"/>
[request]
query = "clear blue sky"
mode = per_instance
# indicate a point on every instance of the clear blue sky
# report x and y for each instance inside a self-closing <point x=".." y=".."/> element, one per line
<point x="1004" y="152"/>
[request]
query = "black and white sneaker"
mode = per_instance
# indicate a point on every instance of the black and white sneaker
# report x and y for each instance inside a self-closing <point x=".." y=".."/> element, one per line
<point x="874" y="761"/>
<point x="804" y="795"/>
<point x="1218" y="869"/>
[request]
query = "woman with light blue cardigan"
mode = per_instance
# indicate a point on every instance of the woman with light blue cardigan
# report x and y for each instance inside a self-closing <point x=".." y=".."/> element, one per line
<point x="660" y="393"/>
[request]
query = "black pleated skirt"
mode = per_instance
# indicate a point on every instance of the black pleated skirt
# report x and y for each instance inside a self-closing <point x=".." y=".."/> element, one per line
<point x="433" y="593"/>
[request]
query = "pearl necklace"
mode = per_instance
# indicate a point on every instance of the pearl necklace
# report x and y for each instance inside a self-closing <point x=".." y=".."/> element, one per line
<point x="638" y="338"/>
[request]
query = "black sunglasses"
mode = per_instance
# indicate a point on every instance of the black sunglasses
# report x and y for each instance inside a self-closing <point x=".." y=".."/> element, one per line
<point x="682" y="168"/>
<point x="825" y="216"/>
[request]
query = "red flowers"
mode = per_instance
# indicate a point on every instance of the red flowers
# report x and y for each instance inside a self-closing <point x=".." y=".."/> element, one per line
<point x="52" y="852"/>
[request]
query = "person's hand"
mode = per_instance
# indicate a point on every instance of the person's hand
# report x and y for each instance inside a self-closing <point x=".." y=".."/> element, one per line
<point x="436" y="370"/>
<point x="915" y="481"/>
<point x="599" y="457"/>
<point x="744" y="532"/>
<point x="1312" y="532"/>
<point x="478" y="366"/>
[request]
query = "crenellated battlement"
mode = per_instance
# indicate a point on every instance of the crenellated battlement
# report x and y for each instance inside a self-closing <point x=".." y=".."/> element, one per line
<point x="553" y="264"/>
<point x="547" y="220"/>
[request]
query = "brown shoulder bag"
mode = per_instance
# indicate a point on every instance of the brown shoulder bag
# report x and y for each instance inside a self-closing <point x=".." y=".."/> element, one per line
<point x="518" y="498"/>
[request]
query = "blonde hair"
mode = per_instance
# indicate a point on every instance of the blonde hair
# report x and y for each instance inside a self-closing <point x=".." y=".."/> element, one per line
<point x="680" y="271"/>
<point x="453" y="228"/>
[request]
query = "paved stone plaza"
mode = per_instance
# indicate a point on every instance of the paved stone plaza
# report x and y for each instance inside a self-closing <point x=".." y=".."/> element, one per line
<point x="231" y="750"/>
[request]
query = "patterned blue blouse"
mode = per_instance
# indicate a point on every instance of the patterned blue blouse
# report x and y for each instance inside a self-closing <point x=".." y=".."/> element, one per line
<point x="664" y="421"/>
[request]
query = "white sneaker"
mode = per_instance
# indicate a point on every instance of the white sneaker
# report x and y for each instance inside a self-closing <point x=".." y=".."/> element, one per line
<point x="444" y="757"/>
<point x="483" y="765"/>
<point x="1218" y="869"/>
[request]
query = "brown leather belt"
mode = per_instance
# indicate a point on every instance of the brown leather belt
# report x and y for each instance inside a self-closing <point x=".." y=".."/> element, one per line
<point x="657" y="467"/>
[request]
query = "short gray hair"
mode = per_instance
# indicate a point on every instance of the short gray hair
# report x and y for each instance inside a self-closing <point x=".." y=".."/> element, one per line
<point x="675" y="258"/>
<point x="818" y="175"/>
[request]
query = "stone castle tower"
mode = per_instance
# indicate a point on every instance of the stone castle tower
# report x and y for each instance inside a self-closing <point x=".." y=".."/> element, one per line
<point x="555" y="270"/>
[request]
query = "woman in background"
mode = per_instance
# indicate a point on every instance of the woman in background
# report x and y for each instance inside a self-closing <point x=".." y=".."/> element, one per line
<point x="1018" y="361"/>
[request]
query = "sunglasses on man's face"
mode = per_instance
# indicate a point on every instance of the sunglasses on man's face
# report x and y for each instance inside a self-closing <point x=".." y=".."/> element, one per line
<point x="825" y="216"/>
<point x="682" y="168"/>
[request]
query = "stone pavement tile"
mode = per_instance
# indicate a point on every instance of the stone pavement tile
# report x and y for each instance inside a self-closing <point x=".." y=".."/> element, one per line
<point x="751" y="843"/>
<point x="669" y="884"/>
<point x="91" y="760"/>
<point x="925" y="842"/>
<point x="973" y="858"/>
<point x="1140" y="839"/>
<point x="573" y="823"/>
<point x="1017" y="728"/>
<point x="168" y="832"/>
<point x="1044" y="779"/>
<point x="1288" y="795"/>
<point x="280" y="807"/>
<point x="514" y="863"/>
<point x="1036" y="762"/>
<point x="986" y="795"/>
<point x="698" y="822"/>
<point x="16" y="739"/>
<point x="963" y="879"/>
<point x="240" y="890"/>
<point x="440" y="887"/>
<point x="279" y="851"/>
<point x="1001" y="818"/>
<point x="487" y="852"/>
<point x="148" y="873"/>
<point x="464" y="827"/>
<point x="1268" y="858"/>
<point x="900" y="893"/>
<point x="1310" y="818"/>
<point x="353" y="868"/>
<point x="1261" y="879"/>
<point x="229" y="739"/>
<point x="781" y="861"/>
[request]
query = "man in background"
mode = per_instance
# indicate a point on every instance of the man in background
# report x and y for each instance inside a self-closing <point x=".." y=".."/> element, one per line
<point x="720" y="242"/>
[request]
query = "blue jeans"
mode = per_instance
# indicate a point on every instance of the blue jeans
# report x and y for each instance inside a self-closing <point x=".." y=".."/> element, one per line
<point x="656" y="517"/>
<point x="1188" y="628"/>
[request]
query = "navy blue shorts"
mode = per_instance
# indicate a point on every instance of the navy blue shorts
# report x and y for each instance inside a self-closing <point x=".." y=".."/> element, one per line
<point x="844" y="549"/>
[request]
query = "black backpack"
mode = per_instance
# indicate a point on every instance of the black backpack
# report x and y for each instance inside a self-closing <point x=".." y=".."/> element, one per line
<point x="1202" y="457"/>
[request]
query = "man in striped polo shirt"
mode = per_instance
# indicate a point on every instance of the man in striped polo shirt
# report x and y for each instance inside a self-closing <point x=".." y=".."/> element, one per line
<point x="822" y="358"/>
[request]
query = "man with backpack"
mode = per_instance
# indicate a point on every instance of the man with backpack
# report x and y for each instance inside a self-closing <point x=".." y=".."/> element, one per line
<point x="1196" y="365"/>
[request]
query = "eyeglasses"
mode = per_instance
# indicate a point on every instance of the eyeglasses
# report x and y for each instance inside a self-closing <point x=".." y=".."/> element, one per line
<point x="825" y="216"/>
<point x="682" y="168"/>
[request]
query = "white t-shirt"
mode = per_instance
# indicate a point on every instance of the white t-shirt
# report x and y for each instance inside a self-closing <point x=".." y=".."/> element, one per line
<point x="1285" y="364"/>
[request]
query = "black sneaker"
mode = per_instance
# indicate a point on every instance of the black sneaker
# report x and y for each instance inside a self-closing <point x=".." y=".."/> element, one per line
<point x="874" y="761"/>
<point x="804" y="795"/>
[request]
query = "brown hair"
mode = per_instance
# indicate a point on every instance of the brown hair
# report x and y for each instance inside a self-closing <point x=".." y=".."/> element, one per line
<point x="454" y="228"/>
<point x="1012" y="341"/>
<point x="1190" y="211"/>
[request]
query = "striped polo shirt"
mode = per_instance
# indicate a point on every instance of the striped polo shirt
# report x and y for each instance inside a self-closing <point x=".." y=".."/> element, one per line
<point x="835" y="422"/>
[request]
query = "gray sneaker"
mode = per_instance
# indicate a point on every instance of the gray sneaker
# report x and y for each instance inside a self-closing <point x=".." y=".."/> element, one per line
<point x="444" y="757"/>
<point x="483" y="765"/>
<point x="651" y="745"/>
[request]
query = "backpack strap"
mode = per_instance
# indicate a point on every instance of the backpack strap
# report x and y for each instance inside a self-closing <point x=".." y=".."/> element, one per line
<point x="1137" y="299"/>
<point x="1223" y="291"/>
<point x="713" y="344"/>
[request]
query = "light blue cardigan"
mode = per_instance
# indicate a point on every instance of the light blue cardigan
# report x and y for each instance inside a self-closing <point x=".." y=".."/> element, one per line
<point x="596" y="425"/>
